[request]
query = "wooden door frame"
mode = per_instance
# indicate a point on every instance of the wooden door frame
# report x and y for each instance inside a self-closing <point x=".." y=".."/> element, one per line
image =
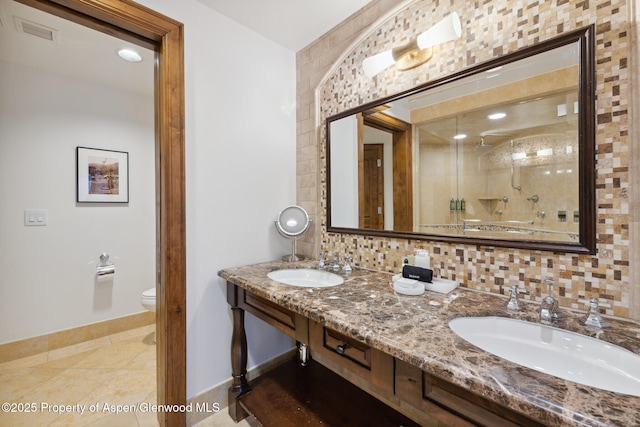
<point x="138" y="24"/>
<point x="402" y="164"/>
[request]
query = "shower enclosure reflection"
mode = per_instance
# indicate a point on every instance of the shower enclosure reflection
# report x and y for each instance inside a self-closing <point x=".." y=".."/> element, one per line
<point x="496" y="154"/>
<point x="522" y="185"/>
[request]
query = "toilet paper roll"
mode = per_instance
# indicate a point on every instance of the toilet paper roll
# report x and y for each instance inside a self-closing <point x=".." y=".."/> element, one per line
<point x="105" y="277"/>
<point x="106" y="273"/>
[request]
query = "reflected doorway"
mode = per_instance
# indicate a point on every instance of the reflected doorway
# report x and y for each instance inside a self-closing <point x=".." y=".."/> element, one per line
<point x="373" y="200"/>
<point x="396" y="206"/>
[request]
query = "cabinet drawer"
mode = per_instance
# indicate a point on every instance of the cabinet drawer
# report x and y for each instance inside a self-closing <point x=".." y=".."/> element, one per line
<point x="272" y="313"/>
<point x="452" y="404"/>
<point x="348" y="347"/>
<point x="352" y="355"/>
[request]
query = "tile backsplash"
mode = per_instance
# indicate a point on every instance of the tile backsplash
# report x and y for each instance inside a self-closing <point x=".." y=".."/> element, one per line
<point x="330" y="81"/>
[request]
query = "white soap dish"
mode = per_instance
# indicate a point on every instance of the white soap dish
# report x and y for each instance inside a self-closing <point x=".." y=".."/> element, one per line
<point x="443" y="286"/>
<point x="408" y="286"/>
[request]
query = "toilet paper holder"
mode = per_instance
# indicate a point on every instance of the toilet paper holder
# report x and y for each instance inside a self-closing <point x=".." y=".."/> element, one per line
<point x="105" y="268"/>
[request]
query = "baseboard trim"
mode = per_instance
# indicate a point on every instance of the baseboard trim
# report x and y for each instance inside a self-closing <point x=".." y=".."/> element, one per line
<point x="55" y="340"/>
<point x="216" y="398"/>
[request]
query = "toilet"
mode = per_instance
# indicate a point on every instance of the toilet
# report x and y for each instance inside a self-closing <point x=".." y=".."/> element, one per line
<point x="148" y="301"/>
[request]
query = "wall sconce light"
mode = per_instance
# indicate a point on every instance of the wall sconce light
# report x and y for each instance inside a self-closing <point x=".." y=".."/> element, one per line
<point x="417" y="51"/>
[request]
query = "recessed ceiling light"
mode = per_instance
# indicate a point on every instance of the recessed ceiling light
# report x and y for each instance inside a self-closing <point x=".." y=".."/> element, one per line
<point x="129" y="55"/>
<point x="460" y="136"/>
<point x="496" y="116"/>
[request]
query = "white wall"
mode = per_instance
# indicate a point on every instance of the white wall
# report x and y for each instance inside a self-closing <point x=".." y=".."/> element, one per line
<point x="344" y="170"/>
<point x="240" y="153"/>
<point x="48" y="273"/>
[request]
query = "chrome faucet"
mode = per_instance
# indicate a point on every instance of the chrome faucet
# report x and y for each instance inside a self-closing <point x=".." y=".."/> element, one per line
<point x="593" y="317"/>
<point x="346" y="267"/>
<point x="321" y="260"/>
<point x="334" y="264"/>
<point x="514" y="302"/>
<point x="549" y="306"/>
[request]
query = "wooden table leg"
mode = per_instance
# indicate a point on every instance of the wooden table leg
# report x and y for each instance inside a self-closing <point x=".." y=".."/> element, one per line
<point x="239" y="386"/>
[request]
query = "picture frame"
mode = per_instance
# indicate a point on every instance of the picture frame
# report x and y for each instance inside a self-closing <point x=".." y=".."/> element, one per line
<point x="102" y="176"/>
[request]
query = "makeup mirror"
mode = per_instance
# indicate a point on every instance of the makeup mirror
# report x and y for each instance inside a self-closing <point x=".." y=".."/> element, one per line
<point x="292" y="222"/>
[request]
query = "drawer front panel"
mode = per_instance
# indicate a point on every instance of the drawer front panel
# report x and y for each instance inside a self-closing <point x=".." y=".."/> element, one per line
<point x="347" y="347"/>
<point x="268" y="311"/>
<point x="450" y="403"/>
<point x="350" y="354"/>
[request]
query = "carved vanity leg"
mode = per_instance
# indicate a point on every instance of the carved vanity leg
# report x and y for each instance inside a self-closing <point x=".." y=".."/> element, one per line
<point x="239" y="385"/>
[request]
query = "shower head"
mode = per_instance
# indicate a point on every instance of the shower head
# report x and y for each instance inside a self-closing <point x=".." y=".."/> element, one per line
<point x="481" y="145"/>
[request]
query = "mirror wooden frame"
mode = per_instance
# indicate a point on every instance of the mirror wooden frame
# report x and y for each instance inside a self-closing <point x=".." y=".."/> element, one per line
<point x="586" y="244"/>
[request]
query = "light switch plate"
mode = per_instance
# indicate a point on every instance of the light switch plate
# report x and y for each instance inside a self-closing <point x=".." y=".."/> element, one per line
<point x="36" y="217"/>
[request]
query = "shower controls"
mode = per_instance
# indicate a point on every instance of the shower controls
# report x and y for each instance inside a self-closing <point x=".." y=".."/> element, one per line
<point x="535" y="198"/>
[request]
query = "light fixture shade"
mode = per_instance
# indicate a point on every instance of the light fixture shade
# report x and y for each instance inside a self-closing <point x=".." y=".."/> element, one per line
<point x="417" y="51"/>
<point x="446" y="30"/>
<point x="376" y="63"/>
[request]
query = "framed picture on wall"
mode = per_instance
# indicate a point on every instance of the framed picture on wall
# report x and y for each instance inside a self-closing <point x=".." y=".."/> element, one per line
<point x="102" y="176"/>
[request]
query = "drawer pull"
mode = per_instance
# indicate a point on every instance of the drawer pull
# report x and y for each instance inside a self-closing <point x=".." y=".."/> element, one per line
<point x="341" y="348"/>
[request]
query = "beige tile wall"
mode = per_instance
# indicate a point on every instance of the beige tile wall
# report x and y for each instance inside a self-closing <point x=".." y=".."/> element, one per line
<point x="329" y="80"/>
<point x="313" y="63"/>
<point x="634" y="160"/>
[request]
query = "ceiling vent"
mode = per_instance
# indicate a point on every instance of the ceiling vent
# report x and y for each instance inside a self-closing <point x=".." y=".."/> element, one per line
<point x="38" y="30"/>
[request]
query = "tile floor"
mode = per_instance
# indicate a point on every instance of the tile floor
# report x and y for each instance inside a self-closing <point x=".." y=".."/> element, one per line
<point x="96" y="375"/>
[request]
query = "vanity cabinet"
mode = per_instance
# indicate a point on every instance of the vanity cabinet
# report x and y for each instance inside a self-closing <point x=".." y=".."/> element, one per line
<point x="293" y="395"/>
<point x="408" y="393"/>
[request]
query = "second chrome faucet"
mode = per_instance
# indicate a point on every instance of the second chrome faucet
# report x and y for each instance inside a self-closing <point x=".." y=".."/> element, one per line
<point x="334" y="264"/>
<point x="549" y="307"/>
<point x="514" y="302"/>
<point x="548" y="311"/>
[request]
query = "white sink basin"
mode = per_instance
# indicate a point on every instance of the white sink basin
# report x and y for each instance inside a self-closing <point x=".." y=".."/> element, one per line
<point x="306" y="277"/>
<point x="564" y="354"/>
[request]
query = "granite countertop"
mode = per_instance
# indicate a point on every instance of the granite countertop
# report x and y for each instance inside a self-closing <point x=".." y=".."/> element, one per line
<point x="415" y="329"/>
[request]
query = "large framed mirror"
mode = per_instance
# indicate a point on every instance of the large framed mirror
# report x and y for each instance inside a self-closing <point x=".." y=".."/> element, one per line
<point x="499" y="154"/>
